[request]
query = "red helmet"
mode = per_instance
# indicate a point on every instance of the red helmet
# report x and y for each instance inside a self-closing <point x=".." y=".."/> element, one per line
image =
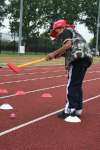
<point x="60" y="24"/>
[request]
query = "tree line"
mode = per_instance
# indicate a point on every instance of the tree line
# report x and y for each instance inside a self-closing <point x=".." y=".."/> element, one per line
<point x="39" y="14"/>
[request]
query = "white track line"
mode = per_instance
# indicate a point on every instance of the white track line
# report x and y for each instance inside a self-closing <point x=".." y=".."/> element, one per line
<point x="33" y="79"/>
<point x="31" y="73"/>
<point x="41" y="78"/>
<point x="40" y="118"/>
<point x="43" y="89"/>
<point x="19" y="74"/>
<point x="94" y="72"/>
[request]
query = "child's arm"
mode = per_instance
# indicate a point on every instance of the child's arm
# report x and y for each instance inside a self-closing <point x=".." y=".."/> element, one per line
<point x="57" y="53"/>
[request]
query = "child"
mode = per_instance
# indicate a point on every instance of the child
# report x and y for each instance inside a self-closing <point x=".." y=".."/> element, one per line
<point x="78" y="58"/>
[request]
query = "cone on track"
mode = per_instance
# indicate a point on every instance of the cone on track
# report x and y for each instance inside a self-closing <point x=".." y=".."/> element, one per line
<point x="20" y="93"/>
<point x="12" y="115"/>
<point x="6" y="107"/>
<point x="3" y="91"/>
<point x="46" y="95"/>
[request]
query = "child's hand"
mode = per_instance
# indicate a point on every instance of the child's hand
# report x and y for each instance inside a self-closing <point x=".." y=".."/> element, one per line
<point x="50" y="56"/>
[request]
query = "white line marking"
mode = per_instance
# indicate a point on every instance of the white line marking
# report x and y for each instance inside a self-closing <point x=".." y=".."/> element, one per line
<point x="25" y="80"/>
<point x="8" y="82"/>
<point x="39" y="118"/>
<point x="94" y="72"/>
<point x="41" y="72"/>
<point x="91" y="80"/>
<point x="32" y="73"/>
<point x="43" y="89"/>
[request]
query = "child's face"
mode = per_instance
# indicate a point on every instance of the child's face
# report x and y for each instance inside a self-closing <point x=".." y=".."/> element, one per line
<point x="59" y="30"/>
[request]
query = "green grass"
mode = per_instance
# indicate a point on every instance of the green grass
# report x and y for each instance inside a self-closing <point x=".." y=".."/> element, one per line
<point x="96" y="60"/>
<point x="15" y="53"/>
<point x="23" y="58"/>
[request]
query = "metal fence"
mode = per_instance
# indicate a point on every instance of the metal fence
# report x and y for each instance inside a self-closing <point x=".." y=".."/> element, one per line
<point x="8" y="42"/>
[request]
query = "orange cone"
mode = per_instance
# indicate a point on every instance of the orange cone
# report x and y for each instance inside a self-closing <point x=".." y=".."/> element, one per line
<point x="12" y="115"/>
<point x="3" y="91"/>
<point x="46" y="95"/>
<point x="20" y="93"/>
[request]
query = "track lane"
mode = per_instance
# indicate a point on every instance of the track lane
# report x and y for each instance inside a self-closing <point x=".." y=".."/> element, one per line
<point x="36" y="71"/>
<point x="38" y="83"/>
<point x="39" y="136"/>
<point x="33" y="105"/>
<point x="54" y="133"/>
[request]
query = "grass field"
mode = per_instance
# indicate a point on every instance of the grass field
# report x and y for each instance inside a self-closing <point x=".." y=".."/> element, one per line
<point x="20" y="59"/>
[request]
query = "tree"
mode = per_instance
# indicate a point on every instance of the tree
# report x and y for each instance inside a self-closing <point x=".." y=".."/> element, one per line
<point x="89" y="14"/>
<point x="38" y="14"/>
<point x="89" y="9"/>
<point x="2" y="11"/>
<point x="89" y="17"/>
<point x="57" y="9"/>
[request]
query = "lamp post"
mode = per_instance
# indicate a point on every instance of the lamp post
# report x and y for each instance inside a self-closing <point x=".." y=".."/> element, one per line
<point x="98" y="26"/>
<point x="20" y="25"/>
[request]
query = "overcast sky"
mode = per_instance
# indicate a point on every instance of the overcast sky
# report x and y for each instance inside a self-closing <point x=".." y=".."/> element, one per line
<point x="83" y="30"/>
<point x="80" y="28"/>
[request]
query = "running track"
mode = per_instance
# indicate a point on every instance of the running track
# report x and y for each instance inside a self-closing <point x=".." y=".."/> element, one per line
<point x="36" y="126"/>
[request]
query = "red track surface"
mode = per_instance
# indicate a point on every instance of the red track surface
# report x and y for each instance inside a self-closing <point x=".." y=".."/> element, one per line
<point x="35" y="127"/>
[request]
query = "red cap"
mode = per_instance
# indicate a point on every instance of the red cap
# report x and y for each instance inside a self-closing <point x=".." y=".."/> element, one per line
<point x="60" y="24"/>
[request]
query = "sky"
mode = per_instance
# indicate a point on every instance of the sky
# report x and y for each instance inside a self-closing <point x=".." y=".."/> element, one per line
<point x="81" y="28"/>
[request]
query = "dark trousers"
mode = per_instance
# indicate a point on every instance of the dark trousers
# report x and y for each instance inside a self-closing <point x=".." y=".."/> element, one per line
<point x="76" y="74"/>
